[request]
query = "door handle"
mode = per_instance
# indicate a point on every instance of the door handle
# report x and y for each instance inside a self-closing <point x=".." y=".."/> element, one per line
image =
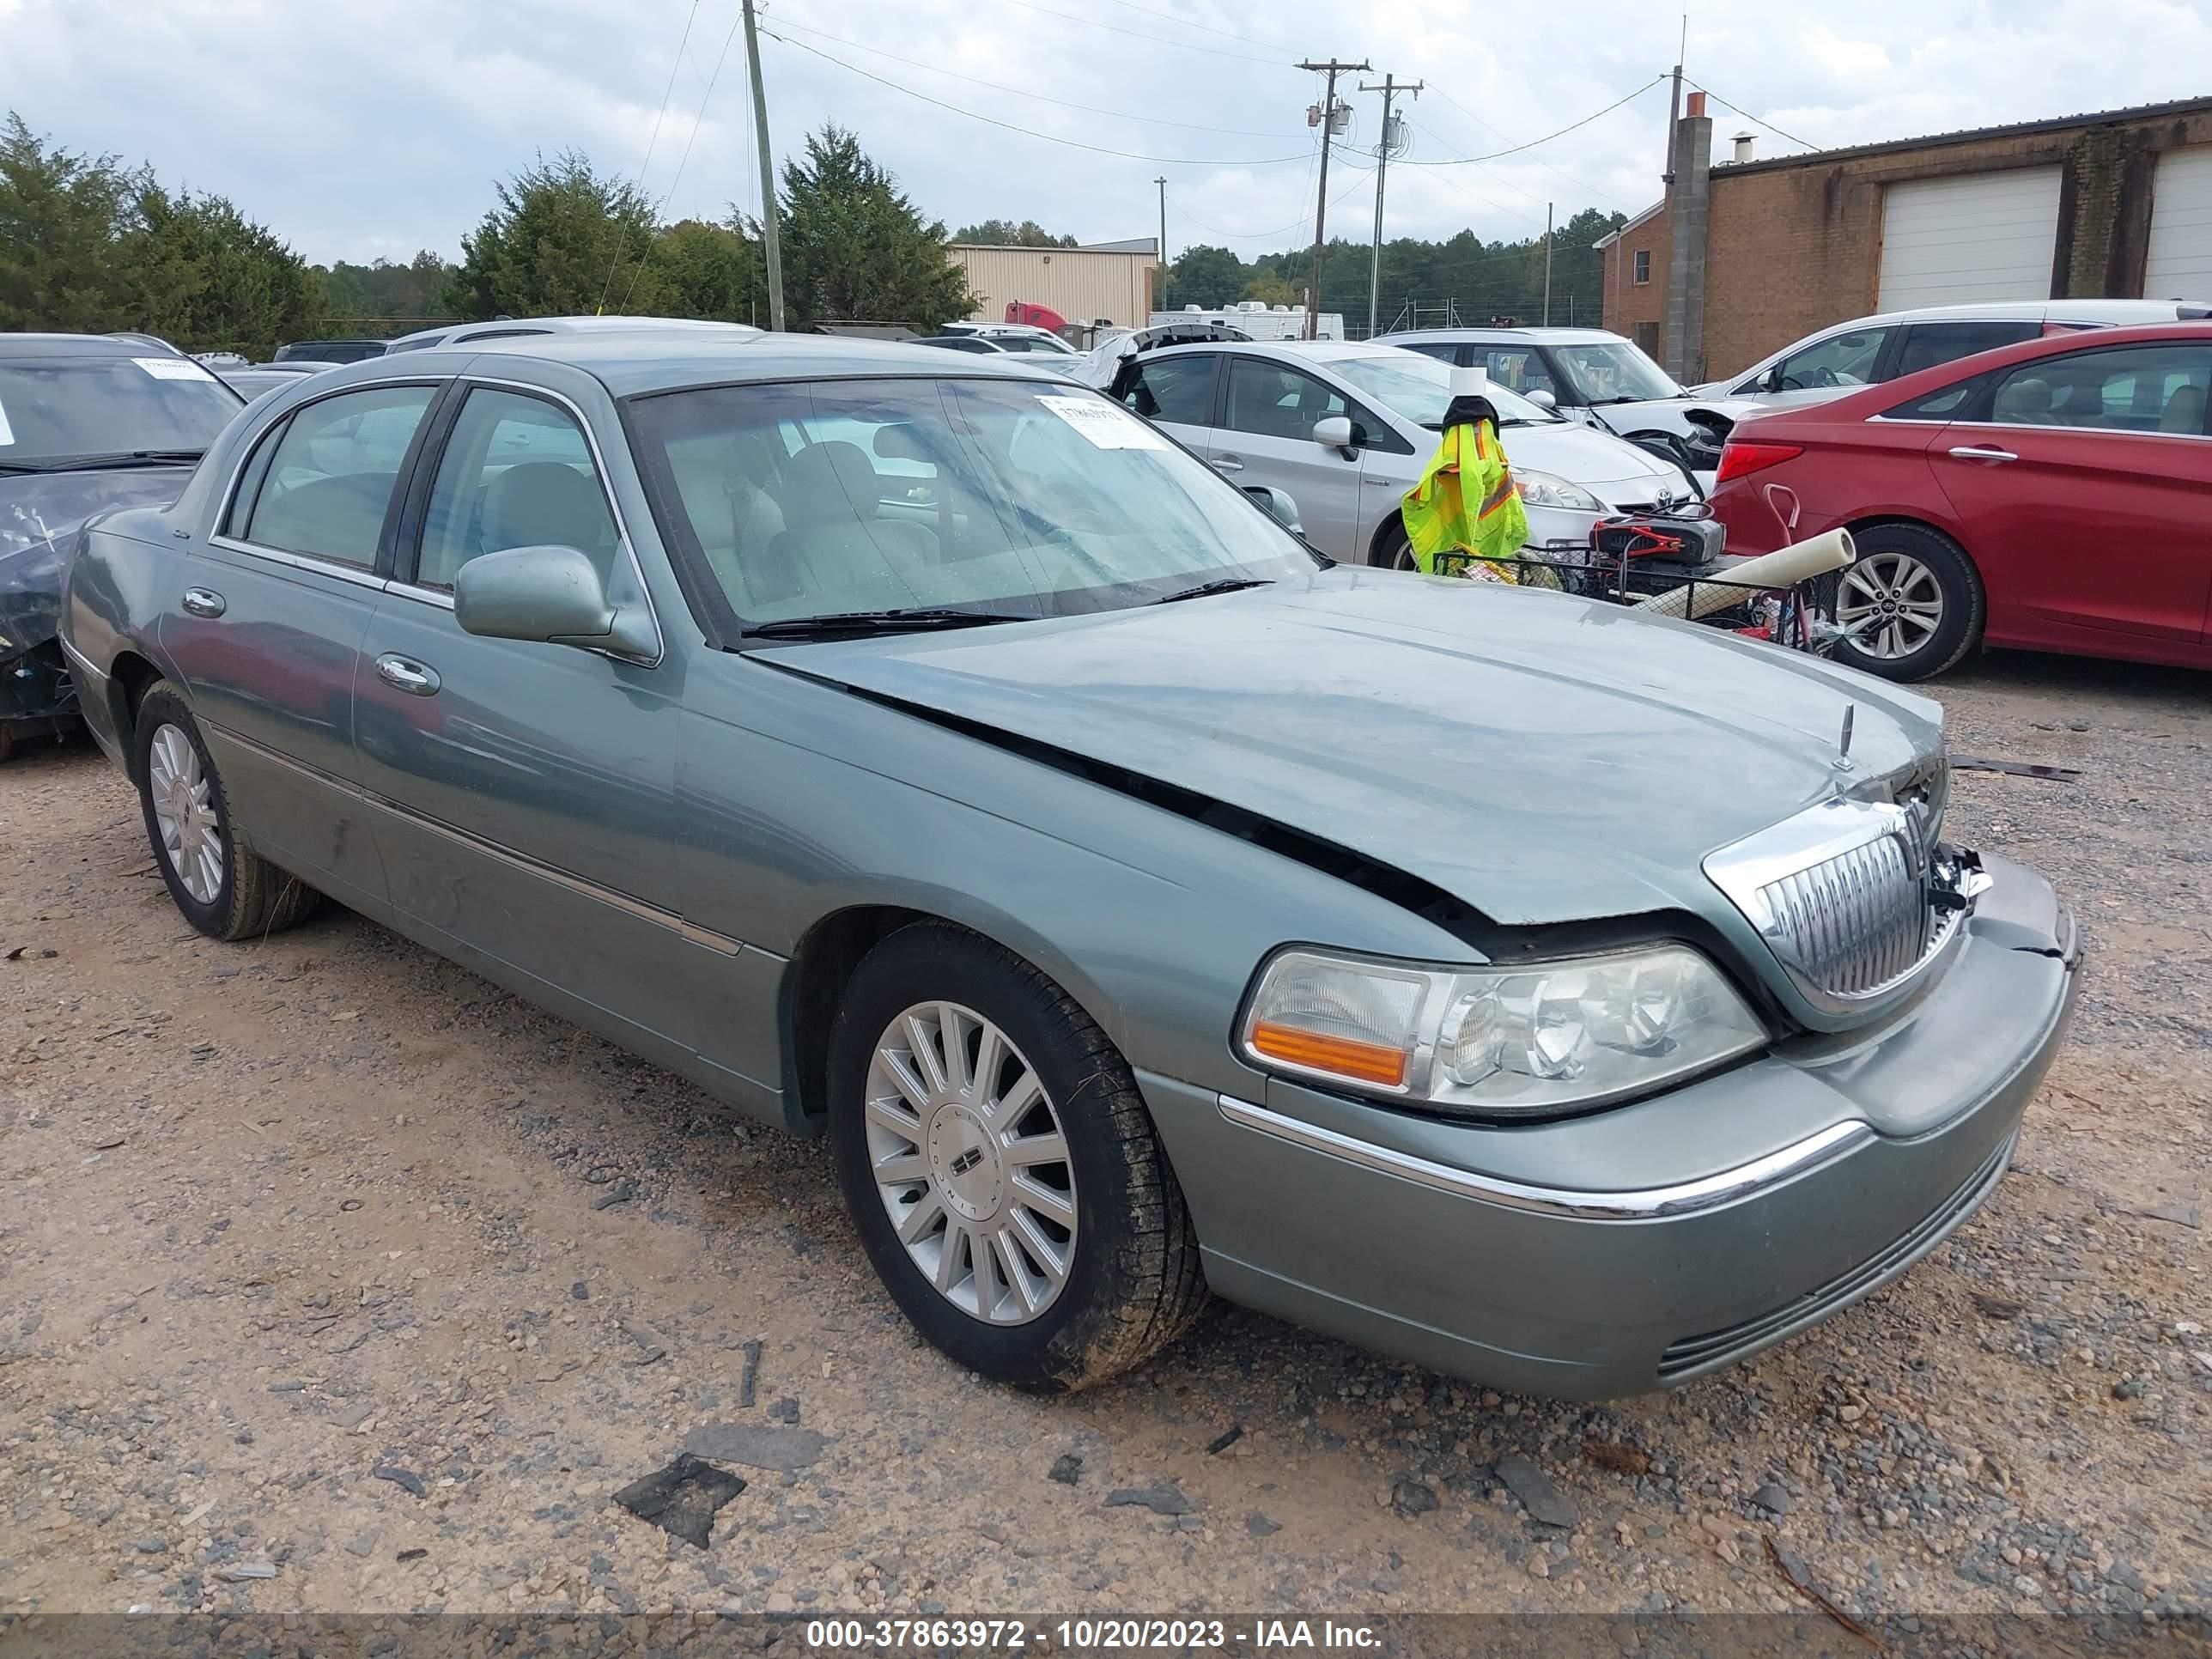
<point x="415" y="679"/>
<point x="1227" y="464"/>
<point x="1981" y="453"/>
<point x="204" y="602"/>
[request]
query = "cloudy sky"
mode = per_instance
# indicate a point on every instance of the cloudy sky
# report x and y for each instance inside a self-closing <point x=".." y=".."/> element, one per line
<point x="360" y="128"/>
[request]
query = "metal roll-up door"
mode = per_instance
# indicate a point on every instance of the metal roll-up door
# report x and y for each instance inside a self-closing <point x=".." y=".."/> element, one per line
<point x="2179" y="265"/>
<point x="1976" y="236"/>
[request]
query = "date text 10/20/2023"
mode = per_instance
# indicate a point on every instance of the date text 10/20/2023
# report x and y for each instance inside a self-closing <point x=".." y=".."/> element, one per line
<point x="1084" y="1635"/>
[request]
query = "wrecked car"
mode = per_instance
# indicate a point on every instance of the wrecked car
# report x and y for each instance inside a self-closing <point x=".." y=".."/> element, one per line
<point x="87" y="422"/>
<point x="925" y="752"/>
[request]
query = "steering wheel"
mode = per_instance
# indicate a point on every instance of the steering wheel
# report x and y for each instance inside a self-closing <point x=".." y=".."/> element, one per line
<point x="1824" y="376"/>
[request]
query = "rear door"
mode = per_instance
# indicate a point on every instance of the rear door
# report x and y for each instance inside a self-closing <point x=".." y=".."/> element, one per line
<point x="2082" y="481"/>
<point x="1175" y="393"/>
<point x="275" y="607"/>
<point x="1269" y="411"/>
<point x="1927" y="345"/>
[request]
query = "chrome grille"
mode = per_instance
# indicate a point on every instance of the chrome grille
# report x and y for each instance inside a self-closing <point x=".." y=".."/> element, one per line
<point x="1855" y="923"/>
<point x="1844" y="892"/>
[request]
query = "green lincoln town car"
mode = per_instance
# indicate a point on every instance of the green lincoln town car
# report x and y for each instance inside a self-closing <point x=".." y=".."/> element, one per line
<point x="926" y="751"/>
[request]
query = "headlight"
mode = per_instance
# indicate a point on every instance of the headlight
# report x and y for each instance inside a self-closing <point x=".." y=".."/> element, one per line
<point x="1521" y="1041"/>
<point x="1548" y="489"/>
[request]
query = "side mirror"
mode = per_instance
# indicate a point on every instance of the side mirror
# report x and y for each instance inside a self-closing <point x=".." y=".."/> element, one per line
<point x="1543" y="399"/>
<point x="1332" y="432"/>
<point x="1774" y="381"/>
<point x="549" y="596"/>
<point x="1279" y="505"/>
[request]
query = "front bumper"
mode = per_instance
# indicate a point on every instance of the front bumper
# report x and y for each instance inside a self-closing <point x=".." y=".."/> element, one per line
<point x="1641" y="1248"/>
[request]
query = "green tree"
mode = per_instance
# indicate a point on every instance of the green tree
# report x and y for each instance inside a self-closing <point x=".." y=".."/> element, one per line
<point x="712" y="271"/>
<point x="561" y="240"/>
<point x="855" y="249"/>
<point x="1270" y="288"/>
<point x="1203" y="277"/>
<point x="410" y="294"/>
<point x="60" y="215"/>
<point x="202" y="275"/>
<point x="1005" y="233"/>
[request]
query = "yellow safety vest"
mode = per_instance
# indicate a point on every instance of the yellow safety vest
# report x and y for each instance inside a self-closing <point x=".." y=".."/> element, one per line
<point x="1469" y="462"/>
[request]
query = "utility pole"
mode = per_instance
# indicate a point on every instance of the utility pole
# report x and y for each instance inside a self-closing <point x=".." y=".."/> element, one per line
<point x="1675" y="100"/>
<point x="771" y="243"/>
<point x="1389" y="89"/>
<point x="1323" y="115"/>
<point x="1163" y="183"/>
<point x="1548" y="264"/>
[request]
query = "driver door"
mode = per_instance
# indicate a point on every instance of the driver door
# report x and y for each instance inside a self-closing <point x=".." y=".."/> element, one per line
<point x="1266" y="437"/>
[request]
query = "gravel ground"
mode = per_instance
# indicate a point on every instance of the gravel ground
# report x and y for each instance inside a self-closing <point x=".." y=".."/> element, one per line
<point x="332" y="1278"/>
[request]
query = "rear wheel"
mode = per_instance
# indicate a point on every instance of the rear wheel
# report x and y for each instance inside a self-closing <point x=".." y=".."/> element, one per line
<point x="220" y="884"/>
<point x="1000" y="1167"/>
<point x="1912" y="605"/>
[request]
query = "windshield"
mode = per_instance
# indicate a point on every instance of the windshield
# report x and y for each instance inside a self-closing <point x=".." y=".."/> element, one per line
<point x="1613" y="371"/>
<point x="1017" y="498"/>
<point x="57" y="408"/>
<point x="1420" y="388"/>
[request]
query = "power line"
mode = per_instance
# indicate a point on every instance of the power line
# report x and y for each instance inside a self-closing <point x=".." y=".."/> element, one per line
<point x="668" y="195"/>
<point x="1587" y="189"/>
<point x="1023" y="91"/>
<point x="1031" y="132"/>
<point x="1139" y="34"/>
<point x="1446" y="179"/>
<point x="615" y="262"/>
<point x="1748" y="116"/>
<point x="1170" y="17"/>
<point x="1496" y="154"/>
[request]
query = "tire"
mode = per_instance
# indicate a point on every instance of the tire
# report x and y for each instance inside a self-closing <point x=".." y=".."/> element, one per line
<point x="220" y="884"/>
<point x="1918" y="597"/>
<point x="1108" y="1214"/>
<point x="1393" y="549"/>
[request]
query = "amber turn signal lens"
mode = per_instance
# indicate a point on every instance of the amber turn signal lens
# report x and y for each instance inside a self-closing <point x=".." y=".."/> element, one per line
<point x="1370" y="1063"/>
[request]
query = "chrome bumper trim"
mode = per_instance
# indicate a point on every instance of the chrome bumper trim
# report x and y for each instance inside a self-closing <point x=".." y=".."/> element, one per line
<point x="1652" y="1203"/>
<point x="84" y="665"/>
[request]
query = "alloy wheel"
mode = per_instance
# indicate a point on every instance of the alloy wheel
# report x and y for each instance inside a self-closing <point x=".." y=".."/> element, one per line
<point x="966" y="1153"/>
<point x="1890" y="605"/>
<point x="184" y="809"/>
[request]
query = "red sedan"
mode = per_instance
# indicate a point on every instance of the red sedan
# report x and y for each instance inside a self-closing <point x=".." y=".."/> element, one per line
<point x="2055" y="494"/>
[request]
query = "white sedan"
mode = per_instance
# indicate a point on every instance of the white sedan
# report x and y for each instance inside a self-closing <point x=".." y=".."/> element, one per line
<point x="1346" y="428"/>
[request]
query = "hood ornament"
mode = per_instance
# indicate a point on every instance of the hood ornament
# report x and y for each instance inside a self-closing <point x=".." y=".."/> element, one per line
<point x="1844" y="743"/>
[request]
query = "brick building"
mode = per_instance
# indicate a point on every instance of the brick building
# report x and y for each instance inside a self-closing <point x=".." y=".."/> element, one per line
<point x="2116" y="205"/>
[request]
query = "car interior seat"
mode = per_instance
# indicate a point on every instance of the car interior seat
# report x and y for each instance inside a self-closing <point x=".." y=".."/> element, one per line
<point x="2184" y="411"/>
<point x="833" y="535"/>
<point x="540" y="504"/>
<point x="2024" y="402"/>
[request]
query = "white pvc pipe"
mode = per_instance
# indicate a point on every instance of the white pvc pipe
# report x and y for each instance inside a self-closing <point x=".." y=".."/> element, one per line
<point x="1783" y="567"/>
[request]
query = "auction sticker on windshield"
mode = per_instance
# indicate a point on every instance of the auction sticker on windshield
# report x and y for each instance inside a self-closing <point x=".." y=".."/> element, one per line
<point x="1105" y="426"/>
<point x="7" y="432"/>
<point x="172" y="368"/>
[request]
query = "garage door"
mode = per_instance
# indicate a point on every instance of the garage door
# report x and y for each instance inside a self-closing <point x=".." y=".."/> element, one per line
<point x="2180" y="263"/>
<point x="1982" y="236"/>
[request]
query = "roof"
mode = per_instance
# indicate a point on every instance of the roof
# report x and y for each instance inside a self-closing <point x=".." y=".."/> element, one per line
<point x="1967" y="135"/>
<point x="1610" y="237"/>
<point x="19" y="346"/>
<point x="628" y="362"/>
<point x="1539" y="336"/>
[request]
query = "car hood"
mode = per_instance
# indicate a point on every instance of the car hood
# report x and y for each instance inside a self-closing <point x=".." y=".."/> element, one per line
<point x="1541" y="758"/>
<point x="40" y="514"/>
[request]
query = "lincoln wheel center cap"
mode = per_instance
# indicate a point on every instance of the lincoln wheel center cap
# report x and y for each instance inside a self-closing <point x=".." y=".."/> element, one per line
<point x="963" y="1157"/>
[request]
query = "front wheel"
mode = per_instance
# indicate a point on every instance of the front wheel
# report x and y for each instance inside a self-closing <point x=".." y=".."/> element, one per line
<point x="1910" y="605"/>
<point x="1001" y="1168"/>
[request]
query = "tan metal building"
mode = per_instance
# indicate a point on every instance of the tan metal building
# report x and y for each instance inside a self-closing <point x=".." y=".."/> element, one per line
<point x="1112" y="281"/>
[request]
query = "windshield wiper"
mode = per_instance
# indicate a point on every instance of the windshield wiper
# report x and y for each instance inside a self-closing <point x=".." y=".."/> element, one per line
<point x="1220" y="585"/>
<point x="878" y="622"/>
<point x="95" y="463"/>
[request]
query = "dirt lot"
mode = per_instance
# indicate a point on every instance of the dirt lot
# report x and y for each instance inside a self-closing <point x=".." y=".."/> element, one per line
<point x="332" y="1278"/>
